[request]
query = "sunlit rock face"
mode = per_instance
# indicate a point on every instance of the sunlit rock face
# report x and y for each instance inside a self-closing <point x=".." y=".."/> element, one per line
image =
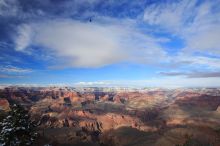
<point x="4" y="104"/>
<point x="218" y="109"/>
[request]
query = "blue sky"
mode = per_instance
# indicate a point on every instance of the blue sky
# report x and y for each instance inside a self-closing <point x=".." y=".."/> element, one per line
<point x="127" y="43"/>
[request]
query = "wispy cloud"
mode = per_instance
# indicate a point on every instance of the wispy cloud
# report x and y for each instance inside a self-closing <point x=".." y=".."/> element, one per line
<point x="198" y="23"/>
<point x="190" y="61"/>
<point x="23" y="38"/>
<point x="9" y="7"/>
<point x="13" y="69"/>
<point x="192" y="74"/>
<point x="10" y="76"/>
<point x="96" y="83"/>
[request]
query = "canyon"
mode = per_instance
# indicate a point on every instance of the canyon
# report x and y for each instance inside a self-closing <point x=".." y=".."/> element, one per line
<point x="119" y="116"/>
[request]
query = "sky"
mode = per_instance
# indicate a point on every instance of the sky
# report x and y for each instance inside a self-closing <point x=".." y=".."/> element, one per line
<point x="140" y="43"/>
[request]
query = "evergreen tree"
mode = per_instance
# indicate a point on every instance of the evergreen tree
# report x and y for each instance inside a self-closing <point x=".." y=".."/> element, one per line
<point x="16" y="128"/>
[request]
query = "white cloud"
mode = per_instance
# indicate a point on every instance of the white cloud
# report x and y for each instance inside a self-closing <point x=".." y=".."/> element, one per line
<point x="198" y="24"/>
<point x="211" y="63"/>
<point x="23" y="39"/>
<point x="8" y="7"/>
<point x="165" y="82"/>
<point x="82" y="44"/>
<point x="96" y="83"/>
<point x="185" y="82"/>
<point x="205" y="41"/>
<point x="194" y="62"/>
<point x="169" y="16"/>
<point x="13" y="69"/>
